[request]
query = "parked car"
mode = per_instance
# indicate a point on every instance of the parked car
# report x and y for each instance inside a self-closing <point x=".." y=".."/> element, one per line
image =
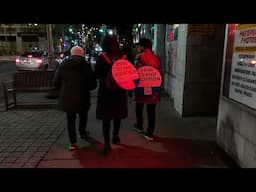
<point x="32" y="60"/>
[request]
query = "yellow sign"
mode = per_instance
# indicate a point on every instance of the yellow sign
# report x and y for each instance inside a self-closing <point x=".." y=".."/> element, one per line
<point x="245" y="26"/>
<point x="245" y="49"/>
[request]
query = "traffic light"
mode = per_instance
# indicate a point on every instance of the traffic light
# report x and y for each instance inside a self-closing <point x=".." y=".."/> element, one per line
<point x="70" y="29"/>
<point x="101" y="30"/>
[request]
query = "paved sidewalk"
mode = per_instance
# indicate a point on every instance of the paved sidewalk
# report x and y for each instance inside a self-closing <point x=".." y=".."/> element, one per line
<point x="27" y="135"/>
<point x="38" y="138"/>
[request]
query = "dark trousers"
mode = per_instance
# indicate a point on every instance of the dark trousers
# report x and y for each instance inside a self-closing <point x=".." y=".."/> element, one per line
<point x="151" y="111"/>
<point x="71" y="124"/>
<point x="106" y="129"/>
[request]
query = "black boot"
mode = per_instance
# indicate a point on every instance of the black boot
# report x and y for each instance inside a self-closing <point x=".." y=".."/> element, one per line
<point x="106" y="134"/>
<point x="116" y="139"/>
<point x="107" y="149"/>
<point x="117" y="124"/>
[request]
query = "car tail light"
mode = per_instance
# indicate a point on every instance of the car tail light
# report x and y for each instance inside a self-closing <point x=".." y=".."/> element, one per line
<point x="17" y="60"/>
<point x="39" y="61"/>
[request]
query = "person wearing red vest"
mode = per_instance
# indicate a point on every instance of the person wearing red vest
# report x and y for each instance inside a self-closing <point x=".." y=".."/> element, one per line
<point x="146" y="57"/>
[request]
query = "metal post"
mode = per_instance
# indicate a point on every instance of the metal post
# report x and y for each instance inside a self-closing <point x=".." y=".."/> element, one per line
<point x="50" y="47"/>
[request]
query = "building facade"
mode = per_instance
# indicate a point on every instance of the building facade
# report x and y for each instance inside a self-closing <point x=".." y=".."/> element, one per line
<point x="191" y="56"/>
<point x="17" y="38"/>
<point x="209" y="69"/>
<point x="236" y="132"/>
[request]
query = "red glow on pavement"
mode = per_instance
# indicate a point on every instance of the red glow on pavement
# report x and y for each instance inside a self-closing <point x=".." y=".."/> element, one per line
<point x="124" y="74"/>
<point x="175" y="153"/>
<point x="136" y="152"/>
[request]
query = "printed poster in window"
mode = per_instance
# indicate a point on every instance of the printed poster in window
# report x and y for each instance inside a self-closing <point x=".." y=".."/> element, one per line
<point x="243" y="69"/>
<point x="172" y="48"/>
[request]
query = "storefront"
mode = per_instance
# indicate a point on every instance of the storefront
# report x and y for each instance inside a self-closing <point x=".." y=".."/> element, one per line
<point x="191" y="56"/>
<point x="237" y="118"/>
<point x="193" y="67"/>
<point x="170" y="67"/>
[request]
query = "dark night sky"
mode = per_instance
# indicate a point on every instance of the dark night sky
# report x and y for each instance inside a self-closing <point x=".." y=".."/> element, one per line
<point x="123" y="28"/>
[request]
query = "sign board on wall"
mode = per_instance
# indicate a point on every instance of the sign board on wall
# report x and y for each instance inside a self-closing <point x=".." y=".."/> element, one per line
<point x="172" y="32"/>
<point x="242" y="86"/>
<point x="202" y="29"/>
<point x="171" y="48"/>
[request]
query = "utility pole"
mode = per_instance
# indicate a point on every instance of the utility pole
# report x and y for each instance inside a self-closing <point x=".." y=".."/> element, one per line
<point x="50" y="46"/>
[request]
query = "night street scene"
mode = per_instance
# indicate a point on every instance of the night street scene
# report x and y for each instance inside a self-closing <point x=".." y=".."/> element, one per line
<point x="127" y="96"/>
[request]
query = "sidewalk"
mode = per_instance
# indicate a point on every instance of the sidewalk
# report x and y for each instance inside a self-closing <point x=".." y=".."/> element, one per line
<point x="38" y="138"/>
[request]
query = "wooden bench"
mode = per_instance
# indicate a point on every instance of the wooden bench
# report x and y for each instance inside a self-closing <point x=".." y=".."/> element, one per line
<point x="27" y="81"/>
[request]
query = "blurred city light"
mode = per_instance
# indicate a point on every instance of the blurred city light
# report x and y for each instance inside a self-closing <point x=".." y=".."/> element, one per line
<point x="110" y="32"/>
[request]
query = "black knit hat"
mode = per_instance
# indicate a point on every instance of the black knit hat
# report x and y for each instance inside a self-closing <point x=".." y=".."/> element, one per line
<point x="144" y="42"/>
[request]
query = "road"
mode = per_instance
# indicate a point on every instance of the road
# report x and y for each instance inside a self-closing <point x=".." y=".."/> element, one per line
<point x="7" y="66"/>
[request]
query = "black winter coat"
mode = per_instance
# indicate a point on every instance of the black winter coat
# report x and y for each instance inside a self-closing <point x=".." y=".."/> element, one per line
<point x="75" y="80"/>
<point x="110" y="104"/>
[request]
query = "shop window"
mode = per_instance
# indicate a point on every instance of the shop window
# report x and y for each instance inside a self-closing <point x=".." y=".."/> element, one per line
<point x="172" y="32"/>
<point x="11" y="38"/>
<point x="29" y="38"/>
<point x="240" y="64"/>
<point x="2" y="38"/>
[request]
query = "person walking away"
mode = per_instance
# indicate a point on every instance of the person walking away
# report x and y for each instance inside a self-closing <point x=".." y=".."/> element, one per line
<point x="146" y="57"/>
<point x="112" y="105"/>
<point x="75" y="79"/>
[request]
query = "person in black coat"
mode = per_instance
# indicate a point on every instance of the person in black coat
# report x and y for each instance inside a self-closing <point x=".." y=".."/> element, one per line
<point x="75" y="79"/>
<point x="111" y="104"/>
